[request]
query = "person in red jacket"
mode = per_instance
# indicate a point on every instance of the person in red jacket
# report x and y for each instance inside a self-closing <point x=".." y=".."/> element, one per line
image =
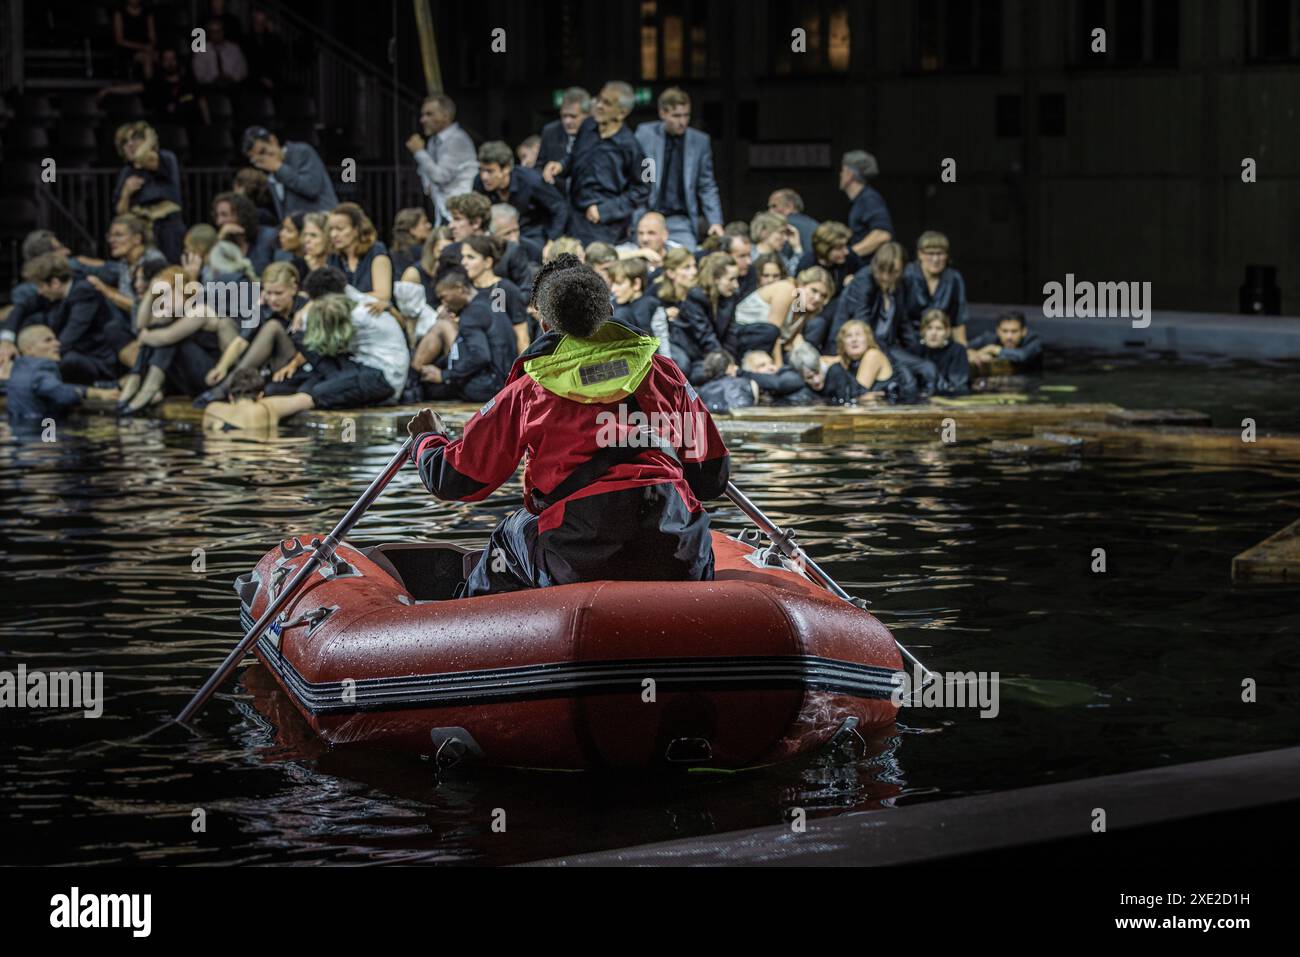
<point x="621" y="452"/>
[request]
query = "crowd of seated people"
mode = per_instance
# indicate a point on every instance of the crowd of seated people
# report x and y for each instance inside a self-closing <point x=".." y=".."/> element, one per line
<point x="288" y="300"/>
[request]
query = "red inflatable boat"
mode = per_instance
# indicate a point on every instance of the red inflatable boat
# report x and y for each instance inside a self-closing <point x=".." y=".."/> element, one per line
<point x="756" y="667"/>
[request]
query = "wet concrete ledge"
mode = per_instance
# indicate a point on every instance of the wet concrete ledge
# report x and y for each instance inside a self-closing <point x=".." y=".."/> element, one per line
<point x="1240" y="794"/>
<point x="994" y="414"/>
<point x="1194" y="336"/>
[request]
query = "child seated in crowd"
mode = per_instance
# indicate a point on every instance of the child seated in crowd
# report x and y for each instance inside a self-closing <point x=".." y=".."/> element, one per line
<point x="36" y="388"/>
<point x="633" y="307"/>
<point x="1012" y="342"/>
<point x="258" y="343"/>
<point x="948" y="356"/>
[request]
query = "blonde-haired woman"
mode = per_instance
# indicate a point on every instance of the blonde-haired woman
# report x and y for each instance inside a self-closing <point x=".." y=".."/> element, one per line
<point x="773" y="316"/>
<point x="149" y="185"/>
<point x="878" y="298"/>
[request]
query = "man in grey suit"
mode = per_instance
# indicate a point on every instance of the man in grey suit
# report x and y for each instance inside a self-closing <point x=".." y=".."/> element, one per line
<point x="683" y="188"/>
<point x="446" y="160"/>
<point x="295" y="173"/>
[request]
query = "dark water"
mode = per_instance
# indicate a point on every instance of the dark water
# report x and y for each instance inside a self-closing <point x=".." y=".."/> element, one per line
<point x="976" y="563"/>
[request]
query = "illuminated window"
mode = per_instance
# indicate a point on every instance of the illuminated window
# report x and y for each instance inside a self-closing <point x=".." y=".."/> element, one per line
<point x="649" y="42"/>
<point x="675" y="40"/>
<point x="826" y="37"/>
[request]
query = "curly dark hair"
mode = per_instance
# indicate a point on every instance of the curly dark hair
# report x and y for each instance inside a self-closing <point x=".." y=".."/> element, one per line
<point x="324" y="281"/>
<point x="571" y="296"/>
<point x="244" y="210"/>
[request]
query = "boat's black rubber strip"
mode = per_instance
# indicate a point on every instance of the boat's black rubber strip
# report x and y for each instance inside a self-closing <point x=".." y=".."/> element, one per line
<point x="565" y="679"/>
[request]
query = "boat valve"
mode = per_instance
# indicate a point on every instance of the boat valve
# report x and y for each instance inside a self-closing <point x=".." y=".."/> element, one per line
<point x="689" y="751"/>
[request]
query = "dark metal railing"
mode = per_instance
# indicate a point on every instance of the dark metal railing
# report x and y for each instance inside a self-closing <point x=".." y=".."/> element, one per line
<point x="78" y="205"/>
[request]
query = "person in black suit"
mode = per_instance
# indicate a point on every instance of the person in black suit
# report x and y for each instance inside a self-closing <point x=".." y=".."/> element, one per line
<point x="542" y="211"/>
<point x="558" y="135"/>
<point x="606" y="170"/>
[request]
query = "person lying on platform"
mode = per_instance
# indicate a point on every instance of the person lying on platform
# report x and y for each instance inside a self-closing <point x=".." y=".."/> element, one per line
<point x="482" y="354"/>
<point x="1012" y="342"/>
<point x="780" y="385"/>
<point x="630" y="509"/>
<point x="830" y="383"/>
<point x="633" y="307"/>
<point x="948" y="355"/>
<point x="36" y="389"/>
<point x="722" y="389"/>
<point x="244" y="409"/>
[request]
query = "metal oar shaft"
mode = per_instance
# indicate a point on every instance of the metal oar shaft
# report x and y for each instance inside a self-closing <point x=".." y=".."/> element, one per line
<point x="323" y="551"/>
<point x="781" y="539"/>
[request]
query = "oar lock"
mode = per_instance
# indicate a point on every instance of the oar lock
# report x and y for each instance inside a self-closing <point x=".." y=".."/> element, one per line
<point x="311" y="619"/>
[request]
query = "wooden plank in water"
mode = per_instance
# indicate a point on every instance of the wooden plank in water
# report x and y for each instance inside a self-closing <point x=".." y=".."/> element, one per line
<point x="1140" y="417"/>
<point x="1043" y="444"/>
<point x="391" y="421"/>
<point x="1275" y="559"/>
<point x="851" y="423"/>
<point x="1189" y="444"/>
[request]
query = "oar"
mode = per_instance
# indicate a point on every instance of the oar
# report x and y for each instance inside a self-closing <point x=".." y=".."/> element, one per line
<point x="783" y="539"/>
<point x="323" y="551"/>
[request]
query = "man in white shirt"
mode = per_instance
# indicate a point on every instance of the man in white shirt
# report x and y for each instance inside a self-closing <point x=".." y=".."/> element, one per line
<point x="222" y="63"/>
<point x="446" y="160"/>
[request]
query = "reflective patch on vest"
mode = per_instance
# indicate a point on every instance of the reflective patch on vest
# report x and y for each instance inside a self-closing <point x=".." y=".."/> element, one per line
<point x="487" y="406"/>
<point x="603" y="371"/>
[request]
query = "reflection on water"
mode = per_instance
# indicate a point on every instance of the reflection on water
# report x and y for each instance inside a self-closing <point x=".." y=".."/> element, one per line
<point x="976" y="563"/>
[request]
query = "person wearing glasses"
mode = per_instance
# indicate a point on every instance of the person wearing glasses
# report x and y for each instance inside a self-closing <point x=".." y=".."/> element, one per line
<point x="932" y="284"/>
